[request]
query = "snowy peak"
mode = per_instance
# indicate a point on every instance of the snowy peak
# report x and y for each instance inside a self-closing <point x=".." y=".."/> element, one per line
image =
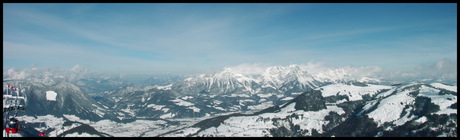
<point x="292" y="78"/>
<point x="345" y="74"/>
<point x="276" y="78"/>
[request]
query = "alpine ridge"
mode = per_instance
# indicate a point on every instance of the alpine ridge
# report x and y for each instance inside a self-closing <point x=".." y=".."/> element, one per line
<point x="414" y="109"/>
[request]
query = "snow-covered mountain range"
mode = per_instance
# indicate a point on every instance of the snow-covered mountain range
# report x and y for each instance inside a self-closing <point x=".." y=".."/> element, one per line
<point x="283" y="79"/>
<point x="265" y="101"/>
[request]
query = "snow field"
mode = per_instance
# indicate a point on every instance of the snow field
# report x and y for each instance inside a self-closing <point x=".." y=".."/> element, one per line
<point x="368" y="106"/>
<point x="156" y="107"/>
<point x="98" y="110"/>
<point x="167" y="87"/>
<point x="421" y="119"/>
<point x="260" y="106"/>
<point x="353" y="92"/>
<point x="195" y="109"/>
<point x="51" y="95"/>
<point x="76" y="119"/>
<point x="134" y="129"/>
<point x="180" y="102"/>
<point x="385" y="94"/>
<point x="287" y="98"/>
<point x="405" y="118"/>
<point x="167" y="116"/>
<point x="391" y="107"/>
<point x="258" y="126"/>
<point x="50" y="121"/>
<point x="443" y="101"/>
<point x="80" y="135"/>
<point x="129" y="111"/>
<point x="439" y="85"/>
<point x="239" y="95"/>
<point x="265" y="95"/>
<point x="184" y="132"/>
<point x="187" y="97"/>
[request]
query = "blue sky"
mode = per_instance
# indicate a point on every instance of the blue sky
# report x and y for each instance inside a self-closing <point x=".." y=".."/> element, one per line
<point x="176" y="38"/>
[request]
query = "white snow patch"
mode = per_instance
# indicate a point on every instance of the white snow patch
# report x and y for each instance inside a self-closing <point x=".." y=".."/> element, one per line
<point x="180" y="102"/>
<point x="186" y="97"/>
<point x="261" y="106"/>
<point x="167" y="87"/>
<point x="165" y="109"/>
<point x="50" y="121"/>
<point x="133" y="129"/>
<point x="287" y="98"/>
<point x="353" y="92"/>
<point x="80" y="135"/>
<point x="405" y="118"/>
<point x="219" y="108"/>
<point x="421" y="120"/>
<point x="76" y="119"/>
<point x="260" y="125"/>
<point x="262" y="100"/>
<point x="129" y="111"/>
<point x="166" y="116"/>
<point x="447" y="111"/>
<point x="368" y="106"/>
<point x="195" y="109"/>
<point x="156" y="107"/>
<point x="385" y="94"/>
<point x="247" y="100"/>
<point x="296" y="93"/>
<point x="239" y="95"/>
<point x="99" y="112"/>
<point x="184" y="132"/>
<point x="217" y="102"/>
<point x="51" y="95"/>
<point x="265" y="95"/>
<point x="443" y="101"/>
<point x="391" y="107"/>
<point x="447" y="87"/>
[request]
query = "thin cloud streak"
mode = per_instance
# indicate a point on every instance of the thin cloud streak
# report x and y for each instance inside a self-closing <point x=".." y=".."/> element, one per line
<point x="199" y="37"/>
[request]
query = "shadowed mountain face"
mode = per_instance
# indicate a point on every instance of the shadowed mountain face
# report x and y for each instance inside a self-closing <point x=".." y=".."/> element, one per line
<point x="310" y="101"/>
<point x="67" y="99"/>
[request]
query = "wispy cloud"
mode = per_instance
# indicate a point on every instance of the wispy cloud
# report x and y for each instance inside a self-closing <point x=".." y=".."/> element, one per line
<point x="200" y="37"/>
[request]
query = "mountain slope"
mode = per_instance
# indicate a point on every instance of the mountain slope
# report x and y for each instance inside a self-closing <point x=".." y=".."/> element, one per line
<point x="59" y="99"/>
<point x="415" y="109"/>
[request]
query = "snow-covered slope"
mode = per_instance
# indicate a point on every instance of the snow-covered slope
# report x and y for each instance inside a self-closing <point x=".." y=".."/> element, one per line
<point x="401" y="107"/>
<point x="344" y="110"/>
